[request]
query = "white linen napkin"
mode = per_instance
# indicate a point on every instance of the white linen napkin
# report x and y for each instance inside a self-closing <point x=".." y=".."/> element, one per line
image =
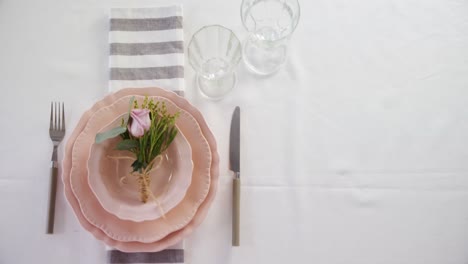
<point x="147" y="49"/>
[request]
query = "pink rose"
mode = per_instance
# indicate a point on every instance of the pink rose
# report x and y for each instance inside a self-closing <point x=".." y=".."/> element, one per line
<point x="141" y="122"/>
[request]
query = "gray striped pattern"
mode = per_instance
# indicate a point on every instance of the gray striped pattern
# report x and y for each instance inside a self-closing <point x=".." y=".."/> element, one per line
<point x="130" y="69"/>
<point x="145" y="24"/>
<point x="167" y="72"/>
<point x="165" y="256"/>
<point x="134" y="49"/>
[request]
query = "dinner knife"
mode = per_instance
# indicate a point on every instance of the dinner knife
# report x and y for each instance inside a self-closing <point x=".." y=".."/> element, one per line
<point x="234" y="164"/>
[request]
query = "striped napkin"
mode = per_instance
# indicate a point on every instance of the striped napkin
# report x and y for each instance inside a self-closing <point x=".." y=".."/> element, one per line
<point x="173" y="255"/>
<point x="147" y="49"/>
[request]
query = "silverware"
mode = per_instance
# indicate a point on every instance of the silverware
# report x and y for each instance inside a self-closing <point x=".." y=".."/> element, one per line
<point x="234" y="164"/>
<point x="56" y="133"/>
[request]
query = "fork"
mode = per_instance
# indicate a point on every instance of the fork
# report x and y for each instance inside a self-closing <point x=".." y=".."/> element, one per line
<point x="56" y="133"/>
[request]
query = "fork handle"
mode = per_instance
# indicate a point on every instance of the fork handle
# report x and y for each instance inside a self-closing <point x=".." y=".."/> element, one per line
<point x="52" y="195"/>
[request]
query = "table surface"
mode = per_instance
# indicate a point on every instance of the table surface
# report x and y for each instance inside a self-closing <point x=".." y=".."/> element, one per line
<point x="355" y="152"/>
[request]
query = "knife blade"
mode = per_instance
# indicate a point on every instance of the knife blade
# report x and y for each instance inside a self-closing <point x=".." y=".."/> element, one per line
<point x="234" y="164"/>
<point x="234" y="143"/>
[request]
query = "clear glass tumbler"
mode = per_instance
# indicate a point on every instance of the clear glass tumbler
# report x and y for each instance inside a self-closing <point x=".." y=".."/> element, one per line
<point x="214" y="52"/>
<point x="270" y="24"/>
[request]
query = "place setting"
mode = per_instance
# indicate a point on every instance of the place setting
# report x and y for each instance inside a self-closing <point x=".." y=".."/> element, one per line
<point x="249" y="131"/>
<point x="140" y="169"/>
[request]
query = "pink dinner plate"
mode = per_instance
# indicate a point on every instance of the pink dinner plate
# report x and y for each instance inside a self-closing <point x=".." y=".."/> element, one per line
<point x="110" y="179"/>
<point x="172" y="238"/>
<point x="146" y="231"/>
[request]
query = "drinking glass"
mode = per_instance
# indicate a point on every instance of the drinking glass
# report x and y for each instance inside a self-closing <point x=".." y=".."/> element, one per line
<point x="214" y="52"/>
<point x="270" y="24"/>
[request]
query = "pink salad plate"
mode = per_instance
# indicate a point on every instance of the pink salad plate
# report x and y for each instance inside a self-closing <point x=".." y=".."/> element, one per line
<point x="146" y="231"/>
<point x="110" y="179"/>
<point x="174" y="237"/>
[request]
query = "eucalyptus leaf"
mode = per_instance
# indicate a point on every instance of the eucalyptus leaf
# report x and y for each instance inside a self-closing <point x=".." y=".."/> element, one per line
<point x="129" y="109"/>
<point x="127" y="144"/>
<point x="100" y="137"/>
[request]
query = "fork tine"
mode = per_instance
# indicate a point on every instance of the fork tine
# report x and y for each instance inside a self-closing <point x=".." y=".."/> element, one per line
<point x="56" y="116"/>
<point x="51" y="112"/>
<point x="59" y="127"/>
<point x="63" y="116"/>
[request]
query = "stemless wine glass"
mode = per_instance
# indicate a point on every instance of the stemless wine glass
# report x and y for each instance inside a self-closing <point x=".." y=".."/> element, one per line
<point x="270" y="24"/>
<point x="214" y="52"/>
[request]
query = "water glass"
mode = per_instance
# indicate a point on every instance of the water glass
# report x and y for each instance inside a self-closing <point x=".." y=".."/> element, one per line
<point x="270" y="24"/>
<point x="214" y="52"/>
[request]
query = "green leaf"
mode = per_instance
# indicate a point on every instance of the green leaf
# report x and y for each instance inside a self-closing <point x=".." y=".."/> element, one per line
<point x="127" y="144"/>
<point x="129" y="109"/>
<point x="137" y="165"/>
<point x="100" y="137"/>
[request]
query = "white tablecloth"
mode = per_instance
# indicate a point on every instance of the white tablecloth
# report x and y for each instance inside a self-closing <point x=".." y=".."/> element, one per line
<point x="356" y="152"/>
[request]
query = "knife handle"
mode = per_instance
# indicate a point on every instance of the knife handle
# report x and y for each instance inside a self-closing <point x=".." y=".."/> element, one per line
<point x="236" y="212"/>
